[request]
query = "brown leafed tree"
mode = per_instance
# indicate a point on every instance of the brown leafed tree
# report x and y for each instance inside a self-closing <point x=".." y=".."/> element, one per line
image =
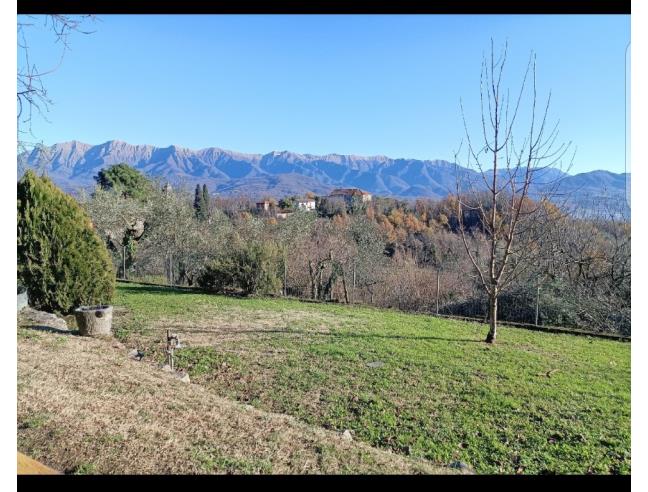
<point x="509" y="181"/>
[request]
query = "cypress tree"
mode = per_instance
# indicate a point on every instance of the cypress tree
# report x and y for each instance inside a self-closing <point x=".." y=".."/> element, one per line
<point x="205" y="201"/>
<point x="197" y="204"/>
<point x="61" y="260"/>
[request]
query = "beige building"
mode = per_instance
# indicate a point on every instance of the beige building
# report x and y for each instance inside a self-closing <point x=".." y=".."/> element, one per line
<point x="348" y="194"/>
<point x="305" y="204"/>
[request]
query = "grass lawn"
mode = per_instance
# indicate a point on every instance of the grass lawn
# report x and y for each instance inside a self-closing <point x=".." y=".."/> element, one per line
<point x="85" y="408"/>
<point x="416" y="385"/>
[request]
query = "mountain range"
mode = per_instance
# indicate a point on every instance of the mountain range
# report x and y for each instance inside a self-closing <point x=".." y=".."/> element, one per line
<point x="73" y="165"/>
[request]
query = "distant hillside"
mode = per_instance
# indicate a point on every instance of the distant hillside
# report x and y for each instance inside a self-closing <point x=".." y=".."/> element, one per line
<point x="72" y="165"/>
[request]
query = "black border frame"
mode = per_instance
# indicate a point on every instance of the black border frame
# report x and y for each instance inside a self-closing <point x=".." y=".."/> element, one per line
<point x="326" y="7"/>
<point x="479" y="7"/>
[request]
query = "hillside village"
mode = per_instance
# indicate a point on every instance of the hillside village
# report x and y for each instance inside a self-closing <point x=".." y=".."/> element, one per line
<point x="287" y="206"/>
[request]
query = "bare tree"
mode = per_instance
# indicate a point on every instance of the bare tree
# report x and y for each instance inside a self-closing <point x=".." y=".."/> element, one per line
<point x="501" y="196"/>
<point x="31" y="93"/>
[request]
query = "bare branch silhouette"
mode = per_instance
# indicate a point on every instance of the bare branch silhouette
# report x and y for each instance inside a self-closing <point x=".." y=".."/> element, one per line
<point x="31" y="93"/>
<point x="514" y="206"/>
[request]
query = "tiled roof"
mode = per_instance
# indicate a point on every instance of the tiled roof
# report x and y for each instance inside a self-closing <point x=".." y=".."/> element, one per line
<point x="349" y="191"/>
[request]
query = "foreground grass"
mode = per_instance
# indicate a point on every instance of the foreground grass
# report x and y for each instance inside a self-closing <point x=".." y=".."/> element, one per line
<point x="419" y="386"/>
<point x="85" y="408"/>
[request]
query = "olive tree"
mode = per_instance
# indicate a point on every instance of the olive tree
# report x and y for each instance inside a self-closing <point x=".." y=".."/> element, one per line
<point x="368" y="259"/>
<point x="119" y="219"/>
<point x="173" y="232"/>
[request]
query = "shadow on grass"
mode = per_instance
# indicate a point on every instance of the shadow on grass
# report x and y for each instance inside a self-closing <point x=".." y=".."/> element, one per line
<point x="158" y="289"/>
<point x="333" y="335"/>
<point x="134" y="288"/>
<point x="371" y="335"/>
<point x="50" y="329"/>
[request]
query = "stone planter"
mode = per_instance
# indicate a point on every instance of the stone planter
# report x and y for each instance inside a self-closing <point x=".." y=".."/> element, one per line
<point x="94" y="321"/>
<point x="23" y="299"/>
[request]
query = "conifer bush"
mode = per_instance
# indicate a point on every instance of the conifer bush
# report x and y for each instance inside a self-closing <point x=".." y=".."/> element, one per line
<point x="61" y="260"/>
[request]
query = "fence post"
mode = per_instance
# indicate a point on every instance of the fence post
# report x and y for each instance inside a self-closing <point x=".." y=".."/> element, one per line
<point x="537" y="305"/>
<point x="285" y="273"/>
<point x="437" y="292"/>
<point x="171" y="269"/>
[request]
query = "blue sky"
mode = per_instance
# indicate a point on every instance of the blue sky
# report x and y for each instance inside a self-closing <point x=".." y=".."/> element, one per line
<point x="359" y="84"/>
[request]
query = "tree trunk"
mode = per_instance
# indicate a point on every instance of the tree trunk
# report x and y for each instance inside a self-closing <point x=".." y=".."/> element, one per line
<point x="492" y="333"/>
<point x="312" y="280"/>
<point x="344" y="286"/>
<point x="537" y="306"/>
<point x="437" y="291"/>
<point x="285" y="274"/>
<point x="94" y="321"/>
<point x="123" y="261"/>
<point x="332" y="278"/>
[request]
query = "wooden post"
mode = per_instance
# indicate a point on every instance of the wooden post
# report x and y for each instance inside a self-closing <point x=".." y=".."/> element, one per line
<point x="123" y="261"/>
<point x="170" y="347"/>
<point x="285" y="274"/>
<point x="330" y="293"/>
<point x="437" y="292"/>
<point x="354" y="283"/>
<point x="537" y="305"/>
<point x="168" y="351"/>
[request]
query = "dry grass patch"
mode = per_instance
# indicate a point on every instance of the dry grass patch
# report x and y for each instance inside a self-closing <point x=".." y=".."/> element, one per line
<point x="84" y="407"/>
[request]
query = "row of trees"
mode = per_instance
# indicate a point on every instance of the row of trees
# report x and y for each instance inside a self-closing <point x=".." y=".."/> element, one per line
<point x="391" y="253"/>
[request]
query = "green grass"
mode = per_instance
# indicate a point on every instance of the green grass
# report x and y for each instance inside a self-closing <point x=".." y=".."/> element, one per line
<point x="532" y="403"/>
<point x="34" y="421"/>
<point x="27" y="334"/>
<point x="85" y="469"/>
<point x="210" y="459"/>
<point x="201" y="361"/>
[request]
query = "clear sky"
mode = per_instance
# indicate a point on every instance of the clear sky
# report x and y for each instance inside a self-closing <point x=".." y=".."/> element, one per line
<point x="357" y="84"/>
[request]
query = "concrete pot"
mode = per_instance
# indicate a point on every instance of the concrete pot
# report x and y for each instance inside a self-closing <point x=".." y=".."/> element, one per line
<point x="94" y="321"/>
<point x="23" y="298"/>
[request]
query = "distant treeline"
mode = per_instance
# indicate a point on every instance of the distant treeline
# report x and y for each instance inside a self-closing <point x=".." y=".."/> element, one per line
<point x="385" y="252"/>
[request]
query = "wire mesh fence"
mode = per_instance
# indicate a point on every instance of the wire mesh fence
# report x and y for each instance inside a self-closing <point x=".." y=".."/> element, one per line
<point x="539" y="309"/>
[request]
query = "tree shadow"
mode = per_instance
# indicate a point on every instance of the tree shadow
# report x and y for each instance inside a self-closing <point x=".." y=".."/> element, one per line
<point x="159" y="289"/>
<point x="340" y="335"/>
<point x="405" y="337"/>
